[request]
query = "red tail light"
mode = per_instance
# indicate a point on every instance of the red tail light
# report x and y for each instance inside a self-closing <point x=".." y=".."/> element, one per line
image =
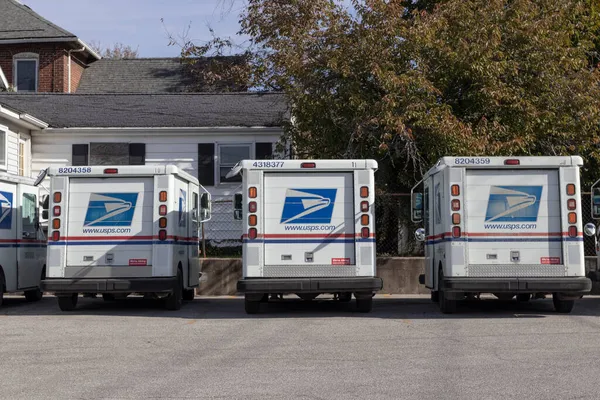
<point x="56" y="211"/>
<point x="56" y="236"/>
<point x="252" y="192"/>
<point x="455" y="190"/>
<point x="364" y="219"/>
<point x="57" y="197"/>
<point x="162" y="235"/>
<point x="571" y="189"/>
<point x="572" y="218"/>
<point x="56" y="223"/>
<point x="365" y="233"/>
<point x="252" y="233"/>
<point x="111" y="171"/>
<point x="512" y="162"/>
<point x="573" y="231"/>
<point x="364" y="206"/>
<point x="162" y="210"/>
<point x="252" y="220"/>
<point x="456" y="231"/>
<point x="308" y="165"/>
<point x="571" y="204"/>
<point x="162" y="222"/>
<point x="252" y="207"/>
<point x="364" y="192"/>
<point x="455" y="205"/>
<point x="456" y="218"/>
<point x="162" y="196"/>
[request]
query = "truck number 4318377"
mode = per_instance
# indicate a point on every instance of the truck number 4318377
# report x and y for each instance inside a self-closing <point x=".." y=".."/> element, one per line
<point x="267" y="164"/>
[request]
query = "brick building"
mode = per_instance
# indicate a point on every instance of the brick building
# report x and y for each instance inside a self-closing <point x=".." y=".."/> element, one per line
<point x="36" y="55"/>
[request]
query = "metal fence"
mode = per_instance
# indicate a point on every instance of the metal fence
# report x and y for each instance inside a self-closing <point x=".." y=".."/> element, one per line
<point x="394" y="229"/>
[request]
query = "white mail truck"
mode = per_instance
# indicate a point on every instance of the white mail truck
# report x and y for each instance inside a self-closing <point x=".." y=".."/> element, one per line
<point x="309" y="229"/>
<point x="22" y="242"/>
<point x="117" y="230"/>
<point x="500" y="225"/>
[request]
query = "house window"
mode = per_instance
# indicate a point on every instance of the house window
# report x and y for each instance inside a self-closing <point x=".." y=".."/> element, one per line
<point x="21" y="157"/>
<point x="109" y="154"/>
<point x="3" y="135"/>
<point x="229" y="155"/>
<point x="25" y="68"/>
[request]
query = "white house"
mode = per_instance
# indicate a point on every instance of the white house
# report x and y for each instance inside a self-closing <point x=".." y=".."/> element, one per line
<point x="204" y="134"/>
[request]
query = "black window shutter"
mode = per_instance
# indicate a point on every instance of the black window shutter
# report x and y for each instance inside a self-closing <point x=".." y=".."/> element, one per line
<point x="79" y="154"/>
<point x="137" y="154"/>
<point x="206" y="164"/>
<point x="264" y="151"/>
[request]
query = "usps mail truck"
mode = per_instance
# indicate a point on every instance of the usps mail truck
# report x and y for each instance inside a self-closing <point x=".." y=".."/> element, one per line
<point x="117" y="230"/>
<point x="22" y="242"/>
<point x="308" y="230"/>
<point x="506" y="226"/>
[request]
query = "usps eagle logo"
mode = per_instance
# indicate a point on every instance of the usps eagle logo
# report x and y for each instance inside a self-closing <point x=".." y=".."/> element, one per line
<point x="513" y="204"/>
<point x="308" y="206"/>
<point x="110" y="209"/>
<point x="6" y="199"/>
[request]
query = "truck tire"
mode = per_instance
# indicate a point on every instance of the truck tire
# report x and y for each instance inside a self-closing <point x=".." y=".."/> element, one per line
<point x="561" y="305"/>
<point x="33" y="295"/>
<point x="108" y="297"/>
<point x="68" y="302"/>
<point x="189" y="294"/>
<point x="364" y="305"/>
<point x="345" y="297"/>
<point x="251" y="306"/>
<point x="435" y="296"/>
<point x="1" y="289"/>
<point x="523" y="297"/>
<point x="447" y="306"/>
<point x="175" y="299"/>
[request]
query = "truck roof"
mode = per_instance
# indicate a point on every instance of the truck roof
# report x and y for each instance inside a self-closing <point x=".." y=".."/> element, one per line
<point x="525" y="162"/>
<point x="303" y="165"/>
<point x="121" y="170"/>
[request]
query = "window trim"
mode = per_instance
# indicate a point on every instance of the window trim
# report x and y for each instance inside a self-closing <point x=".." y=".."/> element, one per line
<point x="21" y="155"/>
<point x="26" y="57"/>
<point x="218" y="146"/>
<point x="4" y="129"/>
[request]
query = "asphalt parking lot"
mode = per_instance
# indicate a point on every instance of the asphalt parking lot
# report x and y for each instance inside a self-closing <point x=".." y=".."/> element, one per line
<point x="210" y="349"/>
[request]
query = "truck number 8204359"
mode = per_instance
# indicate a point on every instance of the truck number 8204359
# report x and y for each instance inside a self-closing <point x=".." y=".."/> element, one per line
<point x="471" y="161"/>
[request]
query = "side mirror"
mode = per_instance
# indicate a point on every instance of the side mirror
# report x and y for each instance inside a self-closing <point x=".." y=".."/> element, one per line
<point x="420" y="235"/>
<point x="237" y="206"/>
<point x="41" y="177"/>
<point x="417" y="207"/>
<point x="205" y="207"/>
<point x="589" y="229"/>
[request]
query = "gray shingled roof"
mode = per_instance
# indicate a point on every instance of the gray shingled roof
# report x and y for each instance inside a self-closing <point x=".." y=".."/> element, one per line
<point x="152" y="110"/>
<point x="17" y="21"/>
<point x="138" y="75"/>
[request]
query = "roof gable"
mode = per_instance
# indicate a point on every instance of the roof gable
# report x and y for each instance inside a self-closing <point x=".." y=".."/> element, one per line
<point x="19" y="22"/>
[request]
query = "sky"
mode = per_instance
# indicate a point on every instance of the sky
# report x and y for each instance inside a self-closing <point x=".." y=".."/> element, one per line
<point x="138" y="22"/>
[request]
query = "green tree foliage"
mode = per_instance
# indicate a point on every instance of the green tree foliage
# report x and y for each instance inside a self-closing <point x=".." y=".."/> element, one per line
<point x="408" y="82"/>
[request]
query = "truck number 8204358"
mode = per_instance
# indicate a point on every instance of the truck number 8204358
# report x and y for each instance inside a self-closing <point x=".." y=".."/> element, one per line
<point x="471" y="161"/>
<point x="75" y="170"/>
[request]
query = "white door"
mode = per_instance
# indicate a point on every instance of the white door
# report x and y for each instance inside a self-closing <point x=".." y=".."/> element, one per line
<point x="30" y="248"/>
<point x="193" y="235"/>
<point x="309" y="219"/>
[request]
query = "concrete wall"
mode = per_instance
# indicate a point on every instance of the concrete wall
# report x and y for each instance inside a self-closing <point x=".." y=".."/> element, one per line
<point x="400" y="275"/>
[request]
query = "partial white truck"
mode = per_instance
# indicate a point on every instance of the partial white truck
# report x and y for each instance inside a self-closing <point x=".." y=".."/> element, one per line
<point x="309" y="229"/>
<point x="510" y="226"/>
<point x="22" y="241"/>
<point x="118" y="230"/>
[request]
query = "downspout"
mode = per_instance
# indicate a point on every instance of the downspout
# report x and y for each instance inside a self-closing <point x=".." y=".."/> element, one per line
<point x="69" y="66"/>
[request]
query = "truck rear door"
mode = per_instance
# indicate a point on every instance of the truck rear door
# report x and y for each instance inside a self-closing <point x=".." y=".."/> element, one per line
<point x="309" y="224"/>
<point x="513" y="222"/>
<point x="110" y="221"/>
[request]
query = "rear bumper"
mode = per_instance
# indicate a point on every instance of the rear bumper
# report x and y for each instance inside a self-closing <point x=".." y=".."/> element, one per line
<point x="577" y="285"/>
<point x="109" y="285"/>
<point x="309" y="285"/>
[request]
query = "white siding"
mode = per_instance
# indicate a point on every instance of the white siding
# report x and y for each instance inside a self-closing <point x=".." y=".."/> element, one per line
<point x="180" y="149"/>
<point x="12" y="145"/>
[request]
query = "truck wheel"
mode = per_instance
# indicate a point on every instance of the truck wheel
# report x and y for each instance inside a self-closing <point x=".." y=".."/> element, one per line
<point x="108" y="297"/>
<point x="364" y="305"/>
<point x="189" y="294"/>
<point x="435" y="296"/>
<point x="68" y="302"/>
<point x="1" y="290"/>
<point x="523" y="297"/>
<point x="251" y="306"/>
<point x="175" y="299"/>
<point x="345" y="297"/>
<point x="33" y="295"/>
<point x="447" y="306"/>
<point x="561" y="305"/>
